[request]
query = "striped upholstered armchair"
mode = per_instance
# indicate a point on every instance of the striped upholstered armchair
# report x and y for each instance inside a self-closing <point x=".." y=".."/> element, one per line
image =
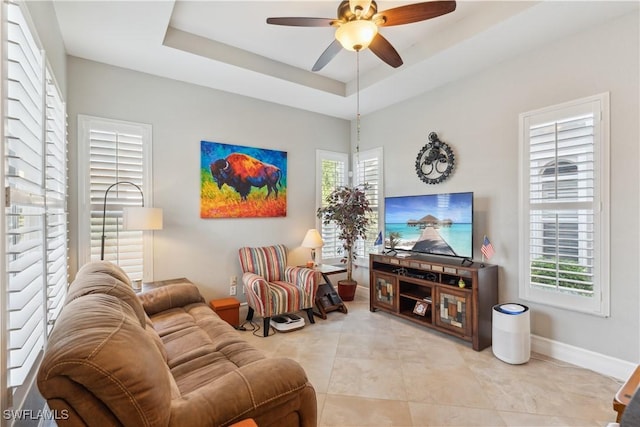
<point x="273" y="288"/>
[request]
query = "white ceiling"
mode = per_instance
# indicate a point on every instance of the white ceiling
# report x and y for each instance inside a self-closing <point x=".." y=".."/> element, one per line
<point x="227" y="45"/>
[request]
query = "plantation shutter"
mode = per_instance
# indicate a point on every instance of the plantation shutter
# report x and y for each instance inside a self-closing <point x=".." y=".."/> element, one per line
<point x="564" y="221"/>
<point x="25" y="207"/>
<point x="368" y="167"/>
<point x="111" y="152"/>
<point x="56" y="199"/>
<point x="116" y="156"/>
<point x="332" y="173"/>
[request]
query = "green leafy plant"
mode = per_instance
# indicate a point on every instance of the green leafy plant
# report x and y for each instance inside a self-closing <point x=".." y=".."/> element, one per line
<point x="348" y="208"/>
<point x="394" y="239"/>
<point x="571" y="274"/>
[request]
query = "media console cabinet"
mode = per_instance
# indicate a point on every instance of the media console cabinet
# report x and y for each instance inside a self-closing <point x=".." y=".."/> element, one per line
<point x="428" y="292"/>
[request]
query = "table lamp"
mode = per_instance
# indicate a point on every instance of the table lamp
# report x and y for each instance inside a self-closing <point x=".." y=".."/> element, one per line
<point x="312" y="240"/>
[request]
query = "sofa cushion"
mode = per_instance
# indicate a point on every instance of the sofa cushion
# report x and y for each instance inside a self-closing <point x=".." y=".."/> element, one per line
<point x="105" y="267"/>
<point x="98" y="343"/>
<point x="103" y="277"/>
<point x="200" y="345"/>
<point x="167" y="297"/>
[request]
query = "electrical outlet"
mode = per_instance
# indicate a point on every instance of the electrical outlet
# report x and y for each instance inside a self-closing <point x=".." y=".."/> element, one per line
<point x="232" y="290"/>
<point x="233" y="281"/>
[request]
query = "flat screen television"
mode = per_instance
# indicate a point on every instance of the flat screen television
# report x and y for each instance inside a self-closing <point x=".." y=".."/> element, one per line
<point x="437" y="224"/>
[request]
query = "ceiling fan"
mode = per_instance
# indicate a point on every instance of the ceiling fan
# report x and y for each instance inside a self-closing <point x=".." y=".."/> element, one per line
<point x="357" y="26"/>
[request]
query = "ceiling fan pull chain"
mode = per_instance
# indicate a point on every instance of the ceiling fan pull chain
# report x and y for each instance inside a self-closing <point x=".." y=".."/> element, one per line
<point x="357" y="107"/>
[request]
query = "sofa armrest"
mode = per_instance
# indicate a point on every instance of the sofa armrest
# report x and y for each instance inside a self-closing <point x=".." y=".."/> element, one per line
<point x="267" y="390"/>
<point x="170" y="296"/>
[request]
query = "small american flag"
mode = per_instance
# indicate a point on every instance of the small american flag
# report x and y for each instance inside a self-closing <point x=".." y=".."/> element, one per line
<point x="378" y="239"/>
<point x="487" y="248"/>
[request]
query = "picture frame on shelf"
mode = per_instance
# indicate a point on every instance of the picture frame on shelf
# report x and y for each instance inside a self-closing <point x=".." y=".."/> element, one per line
<point x="421" y="308"/>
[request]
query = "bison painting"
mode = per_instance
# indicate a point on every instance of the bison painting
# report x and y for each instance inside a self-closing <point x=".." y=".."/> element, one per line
<point x="241" y="172"/>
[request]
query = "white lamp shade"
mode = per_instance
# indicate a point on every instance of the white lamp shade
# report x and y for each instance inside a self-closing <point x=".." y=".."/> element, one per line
<point x="312" y="239"/>
<point x="141" y="218"/>
<point x="356" y="35"/>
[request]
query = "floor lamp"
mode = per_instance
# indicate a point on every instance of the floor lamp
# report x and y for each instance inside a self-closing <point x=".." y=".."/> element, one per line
<point x="134" y="218"/>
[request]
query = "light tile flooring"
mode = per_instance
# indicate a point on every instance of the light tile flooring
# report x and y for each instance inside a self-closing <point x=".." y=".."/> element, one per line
<point x="373" y="369"/>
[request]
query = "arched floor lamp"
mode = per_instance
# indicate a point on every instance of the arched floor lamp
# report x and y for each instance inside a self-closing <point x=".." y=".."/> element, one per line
<point x="137" y="218"/>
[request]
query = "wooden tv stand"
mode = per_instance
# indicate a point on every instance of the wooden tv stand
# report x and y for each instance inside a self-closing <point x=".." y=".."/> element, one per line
<point x="426" y="291"/>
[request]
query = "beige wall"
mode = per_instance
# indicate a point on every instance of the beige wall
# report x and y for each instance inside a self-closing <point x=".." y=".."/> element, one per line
<point x="203" y="250"/>
<point x="478" y="117"/>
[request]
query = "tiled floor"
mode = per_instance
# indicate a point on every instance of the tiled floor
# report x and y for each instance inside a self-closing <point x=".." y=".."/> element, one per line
<point x="373" y="369"/>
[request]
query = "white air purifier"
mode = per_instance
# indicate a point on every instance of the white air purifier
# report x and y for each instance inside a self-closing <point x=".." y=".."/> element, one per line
<point x="511" y="340"/>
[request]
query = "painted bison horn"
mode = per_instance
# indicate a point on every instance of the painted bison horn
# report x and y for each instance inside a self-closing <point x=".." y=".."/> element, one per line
<point x="221" y="164"/>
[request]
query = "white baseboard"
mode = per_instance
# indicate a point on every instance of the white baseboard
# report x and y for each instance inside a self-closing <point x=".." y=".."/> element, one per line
<point x="601" y="363"/>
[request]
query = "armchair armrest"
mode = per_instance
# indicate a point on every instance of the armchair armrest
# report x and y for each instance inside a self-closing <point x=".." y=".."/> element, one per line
<point x="169" y="296"/>
<point x="267" y="390"/>
<point x="257" y="293"/>
<point x="305" y="279"/>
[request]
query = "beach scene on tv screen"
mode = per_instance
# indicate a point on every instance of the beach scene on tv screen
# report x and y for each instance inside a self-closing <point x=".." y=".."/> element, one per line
<point x="437" y="224"/>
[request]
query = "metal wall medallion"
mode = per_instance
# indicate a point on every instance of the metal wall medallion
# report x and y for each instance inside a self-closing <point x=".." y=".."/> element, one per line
<point x="435" y="161"/>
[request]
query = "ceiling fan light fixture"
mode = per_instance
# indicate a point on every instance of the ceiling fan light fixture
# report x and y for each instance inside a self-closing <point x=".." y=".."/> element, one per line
<point x="356" y="35"/>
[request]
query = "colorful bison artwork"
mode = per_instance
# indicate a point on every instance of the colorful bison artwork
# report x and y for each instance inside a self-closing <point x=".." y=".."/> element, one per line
<point x="242" y="172"/>
<point x="239" y="181"/>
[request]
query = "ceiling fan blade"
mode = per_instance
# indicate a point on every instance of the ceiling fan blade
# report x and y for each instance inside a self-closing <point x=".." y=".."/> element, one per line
<point x="383" y="50"/>
<point x="327" y="55"/>
<point x="301" y="22"/>
<point x="414" y="13"/>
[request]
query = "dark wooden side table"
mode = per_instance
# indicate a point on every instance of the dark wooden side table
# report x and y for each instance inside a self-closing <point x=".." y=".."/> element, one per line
<point x="327" y="299"/>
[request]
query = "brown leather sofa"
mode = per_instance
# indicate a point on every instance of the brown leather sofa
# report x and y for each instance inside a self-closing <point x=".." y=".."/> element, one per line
<point x="161" y="358"/>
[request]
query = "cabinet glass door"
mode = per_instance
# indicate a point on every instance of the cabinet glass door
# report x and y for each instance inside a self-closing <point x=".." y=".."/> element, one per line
<point x="454" y="311"/>
<point x="385" y="288"/>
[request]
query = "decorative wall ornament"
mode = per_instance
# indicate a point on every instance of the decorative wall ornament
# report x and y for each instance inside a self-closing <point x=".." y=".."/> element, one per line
<point x="238" y="181"/>
<point x="435" y="161"/>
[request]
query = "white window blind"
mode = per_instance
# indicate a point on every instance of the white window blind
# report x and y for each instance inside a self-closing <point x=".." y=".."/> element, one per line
<point x="116" y="151"/>
<point x="25" y="210"/>
<point x="368" y="167"/>
<point x="56" y="200"/>
<point x="564" y="185"/>
<point x="331" y="173"/>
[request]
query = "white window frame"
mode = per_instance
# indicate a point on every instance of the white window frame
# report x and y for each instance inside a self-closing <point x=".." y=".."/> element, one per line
<point x="85" y="125"/>
<point x="364" y="247"/>
<point x="343" y="158"/>
<point x="599" y="302"/>
<point x="46" y="269"/>
<point x="57" y="218"/>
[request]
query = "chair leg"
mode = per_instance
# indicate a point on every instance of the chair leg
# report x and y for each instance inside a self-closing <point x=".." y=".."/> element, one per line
<point x="266" y="325"/>
<point x="250" y="314"/>
<point x="310" y="315"/>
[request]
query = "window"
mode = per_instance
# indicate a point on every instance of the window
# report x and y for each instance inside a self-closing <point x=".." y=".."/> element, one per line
<point x="331" y="173"/>
<point x="34" y="277"/>
<point x="331" y="169"/>
<point x="368" y="167"/>
<point x="564" y="230"/>
<point x="56" y="201"/>
<point x="111" y="151"/>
